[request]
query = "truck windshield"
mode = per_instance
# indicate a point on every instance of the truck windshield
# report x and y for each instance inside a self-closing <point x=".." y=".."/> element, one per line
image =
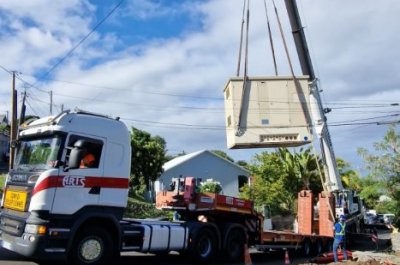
<point x="38" y="153"/>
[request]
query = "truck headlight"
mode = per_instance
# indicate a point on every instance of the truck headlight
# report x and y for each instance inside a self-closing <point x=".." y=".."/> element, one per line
<point x="35" y="229"/>
<point x="33" y="179"/>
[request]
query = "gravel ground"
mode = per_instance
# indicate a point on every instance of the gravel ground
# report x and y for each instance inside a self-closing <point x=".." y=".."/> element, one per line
<point x="386" y="254"/>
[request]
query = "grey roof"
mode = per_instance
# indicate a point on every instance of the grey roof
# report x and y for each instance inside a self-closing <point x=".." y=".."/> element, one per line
<point x="182" y="159"/>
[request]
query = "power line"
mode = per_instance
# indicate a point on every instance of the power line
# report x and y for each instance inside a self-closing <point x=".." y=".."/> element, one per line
<point x="6" y="70"/>
<point x="121" y="89"/>
<point x="84" y="38"/>
<point x="365" y="119"/>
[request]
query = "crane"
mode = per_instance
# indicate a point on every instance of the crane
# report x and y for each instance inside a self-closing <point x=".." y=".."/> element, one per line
<point x="347" y="202"/>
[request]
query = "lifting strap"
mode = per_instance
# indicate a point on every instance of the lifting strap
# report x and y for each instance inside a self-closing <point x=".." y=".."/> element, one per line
<point x="299" y="90"/>
<point x="270" y="39"/>
<point x="239" y="130"/>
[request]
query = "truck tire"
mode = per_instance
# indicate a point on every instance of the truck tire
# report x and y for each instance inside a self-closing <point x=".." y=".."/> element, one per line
<point x="234" y="248"/>
<point x="329" y="245"/>
<point x="306" y="247"/>
<point x="204" y="245"/>
<point x="92" y="245"/>
<point x="319" y="246"/>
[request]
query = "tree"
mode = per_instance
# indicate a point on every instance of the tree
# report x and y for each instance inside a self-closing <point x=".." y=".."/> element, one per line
<point x="384" y="165"/>
<point x="148" y="158"/>
<point x="372" y="189"/>
<point x="223" y="155"/>
<point x="279" y="176"/>
<point x="302" y="170"/>
<point x="242" y="163"/>
<point x="350" y="178"/>
<point x="170" y="157"/>
<point x="267" y="185"/>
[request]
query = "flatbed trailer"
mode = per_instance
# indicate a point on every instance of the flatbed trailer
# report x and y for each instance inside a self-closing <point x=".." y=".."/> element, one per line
<point x="312" y="237"/>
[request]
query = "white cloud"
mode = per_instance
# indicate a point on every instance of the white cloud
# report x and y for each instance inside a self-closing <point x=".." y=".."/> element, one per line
<point x="353" y="49"/>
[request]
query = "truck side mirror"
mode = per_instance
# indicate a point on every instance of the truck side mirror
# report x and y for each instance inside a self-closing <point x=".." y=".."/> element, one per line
<point x="75" y="158"/>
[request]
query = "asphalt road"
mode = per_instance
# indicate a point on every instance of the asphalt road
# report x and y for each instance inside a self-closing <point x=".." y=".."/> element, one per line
<point x="10" y="258"/>
<point x="360" y="242"/>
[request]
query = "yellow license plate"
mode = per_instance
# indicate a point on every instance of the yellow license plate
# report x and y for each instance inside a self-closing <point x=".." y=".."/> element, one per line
<point x="15" y="200"/>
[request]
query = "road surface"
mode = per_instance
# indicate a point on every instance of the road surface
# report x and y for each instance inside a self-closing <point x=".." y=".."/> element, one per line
<point x="361" y="243"/>
<point x="9" y="258"/>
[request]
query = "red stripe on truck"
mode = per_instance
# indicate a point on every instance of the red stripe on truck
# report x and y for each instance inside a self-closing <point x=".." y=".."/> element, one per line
<point x="81" y="181"/>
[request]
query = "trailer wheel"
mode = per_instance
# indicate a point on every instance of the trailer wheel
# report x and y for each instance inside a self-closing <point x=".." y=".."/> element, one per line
<point x="307" y="248"/>
<point x="92" y="246"/>
<point x="204" y="245"/>
<point x="329" y="245"/>
<point x="234" y="248"/>
<point x="319" y="246"/>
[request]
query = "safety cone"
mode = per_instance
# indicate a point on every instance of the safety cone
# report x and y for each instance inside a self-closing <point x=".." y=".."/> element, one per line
<point x="287" y="260"/>
<point x="247" y="258"/>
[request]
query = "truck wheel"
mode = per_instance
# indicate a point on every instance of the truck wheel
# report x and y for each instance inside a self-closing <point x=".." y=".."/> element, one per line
<point x="319" y="246"/>
<point x="92" y="246"/>
<point x="204" y="245"/>
<point x="307" y="248"/>
<point x="329" y="245"/>
<point x="234" y="248"/>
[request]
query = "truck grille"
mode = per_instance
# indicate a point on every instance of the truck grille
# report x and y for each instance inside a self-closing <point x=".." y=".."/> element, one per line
<point x="11" y="226"/>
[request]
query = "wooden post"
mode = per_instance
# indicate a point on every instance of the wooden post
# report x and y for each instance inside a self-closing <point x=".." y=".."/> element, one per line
<point x="13" y="133"/>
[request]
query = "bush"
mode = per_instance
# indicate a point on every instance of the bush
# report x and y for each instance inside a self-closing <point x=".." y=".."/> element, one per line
<point x="211" y="186"/>
<point x="2" y="181"/>
<point x="140" y="209"/>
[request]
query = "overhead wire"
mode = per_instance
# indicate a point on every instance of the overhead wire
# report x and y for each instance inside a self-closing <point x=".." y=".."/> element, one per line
<point x="69" y="53"/>
<point x="354" y="103"/>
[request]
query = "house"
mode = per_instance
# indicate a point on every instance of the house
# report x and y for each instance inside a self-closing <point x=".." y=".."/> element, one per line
<point x="3" y="120"/>
<point x="205" y="165"/>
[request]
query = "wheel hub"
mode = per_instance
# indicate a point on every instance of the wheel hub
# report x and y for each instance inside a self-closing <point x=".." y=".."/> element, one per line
<point x="91" y="250"/>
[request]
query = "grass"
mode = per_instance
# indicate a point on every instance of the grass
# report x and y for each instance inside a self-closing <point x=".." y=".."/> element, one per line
<point x="2" y="180"/>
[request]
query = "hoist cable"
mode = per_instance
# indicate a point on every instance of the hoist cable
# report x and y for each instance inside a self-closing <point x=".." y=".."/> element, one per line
<point x="246" y="54"/>
<point x="241" y="41"/>
<point x="299" y="90"/>
<point x="283" y="39"/>
<point x="239" y="130"/>
<point x="270" y="39"/>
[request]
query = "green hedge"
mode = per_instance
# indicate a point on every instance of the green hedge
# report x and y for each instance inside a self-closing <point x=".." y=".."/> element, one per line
<point x="138" y="209"/>
<point x="2" y="180"/>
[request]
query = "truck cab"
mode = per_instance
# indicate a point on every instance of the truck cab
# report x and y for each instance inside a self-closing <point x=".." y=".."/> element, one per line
<point x="50" y="195"/>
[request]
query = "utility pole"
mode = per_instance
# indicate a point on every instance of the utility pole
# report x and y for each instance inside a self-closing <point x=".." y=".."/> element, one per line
<point x="13" y="133"/>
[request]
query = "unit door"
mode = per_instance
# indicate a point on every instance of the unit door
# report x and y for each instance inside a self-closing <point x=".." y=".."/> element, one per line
<point x="80" y="187"/>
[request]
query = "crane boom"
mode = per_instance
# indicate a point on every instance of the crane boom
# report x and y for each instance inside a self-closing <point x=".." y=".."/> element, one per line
<point x="333" y="181"/>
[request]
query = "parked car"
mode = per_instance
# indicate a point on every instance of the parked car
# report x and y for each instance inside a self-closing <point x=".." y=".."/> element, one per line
<point x="370" y="218"/>
<point x="388" y="218"/>
<point x="385" y="218"/>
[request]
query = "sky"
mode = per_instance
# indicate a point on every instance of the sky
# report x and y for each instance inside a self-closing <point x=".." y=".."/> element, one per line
<point x="161" y="65"/>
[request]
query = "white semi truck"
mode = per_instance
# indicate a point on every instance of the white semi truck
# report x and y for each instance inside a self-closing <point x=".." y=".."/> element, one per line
<point x="52" y="207"/>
